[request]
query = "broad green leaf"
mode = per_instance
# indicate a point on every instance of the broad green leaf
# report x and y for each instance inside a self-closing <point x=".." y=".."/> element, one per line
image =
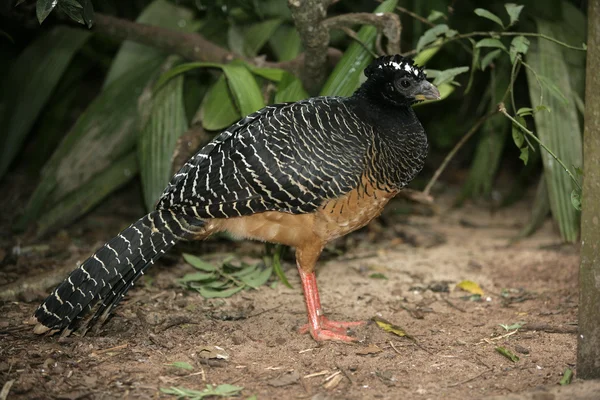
<point x="345" y="78"/>
<point x="244" y="88"/>
<point x="434" y="15"/>
<point x="258" y="278"/>
<point x="29" y="84"/>
<point x="290" y="89"/>
<point x="517" y="134"/>
<point x="286" y="43"/>
<point x="104" y="133"/>
<point x="524" y="111"/>
<point x="88" y="13"/>
<point x="559" y="130"/>
<point x="446" y="76"/>
<point x="88" y="195"/>
<point x="132" y="55"/>
<point x="218" y="110"/>
<point x="198" y="263"/>
<point x="425" y="55"/>
<point x="490" y="42"/>
<point x="212" y="294"/>
<point x="197" y="277"/>
<point x="157" y="140"/>
<point x="519" y="45"/>
<point x="513" y="11"/>
<point x="272" y="74"/>
<point x="256" y="35"/>
<point x="182" y="365"/>
<point x="72" y="9"/>
<point x="431" y="35"/>
<point x="524" y="155"/>
<point x="43" y="8"/>
<point x="489" y="58"/>
<point x="489" y="15"/>
<point x="183" y="68"/>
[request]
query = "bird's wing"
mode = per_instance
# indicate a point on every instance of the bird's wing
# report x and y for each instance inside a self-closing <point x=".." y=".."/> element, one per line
<point x="289" y="157"/>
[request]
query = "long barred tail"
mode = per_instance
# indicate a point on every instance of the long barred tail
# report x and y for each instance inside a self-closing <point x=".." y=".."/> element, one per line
<point x="104" y="278"/>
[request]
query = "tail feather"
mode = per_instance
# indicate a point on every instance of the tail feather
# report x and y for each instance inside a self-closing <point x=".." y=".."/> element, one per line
<point x="103" y="279"/>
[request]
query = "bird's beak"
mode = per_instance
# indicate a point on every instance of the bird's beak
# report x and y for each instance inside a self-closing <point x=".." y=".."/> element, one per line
<point x="427" y="92"/>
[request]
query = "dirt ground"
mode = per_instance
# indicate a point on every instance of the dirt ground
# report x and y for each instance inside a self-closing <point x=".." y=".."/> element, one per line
<point x="250" y="339"/>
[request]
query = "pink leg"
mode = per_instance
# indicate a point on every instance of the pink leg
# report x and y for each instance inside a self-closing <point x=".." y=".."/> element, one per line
<point x="318" y="325"/>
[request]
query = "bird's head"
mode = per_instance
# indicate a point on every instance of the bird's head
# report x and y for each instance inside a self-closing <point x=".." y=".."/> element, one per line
<point x="396" y="80"/>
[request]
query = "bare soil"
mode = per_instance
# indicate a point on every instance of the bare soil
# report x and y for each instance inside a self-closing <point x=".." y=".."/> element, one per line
<point x="403" y="267"/>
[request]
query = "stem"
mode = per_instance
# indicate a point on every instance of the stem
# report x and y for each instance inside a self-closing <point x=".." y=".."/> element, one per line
<point x="456" y="147"/>
<point x="502" y="109"/>
<point x="493" y="34"/>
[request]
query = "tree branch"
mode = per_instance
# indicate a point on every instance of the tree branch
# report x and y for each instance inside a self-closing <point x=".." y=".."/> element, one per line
<point x="307" y="15"/>
<point x="388" y="23"/>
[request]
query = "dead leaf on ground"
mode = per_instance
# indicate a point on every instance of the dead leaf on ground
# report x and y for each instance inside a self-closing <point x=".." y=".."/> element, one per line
<point x="370" y="349"/>
<point x="212" y="353"/>
<point x="288" y="378"/>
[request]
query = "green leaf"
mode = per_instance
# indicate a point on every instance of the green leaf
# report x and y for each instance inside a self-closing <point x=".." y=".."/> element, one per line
<point x="157" y="140"/>
<point x="446" y="76"/>
<point x="212" y="294"/>
<point x="290" y="89"/>
<point x="523" y="111"/>
<point x="88" y="13"/>
<point x="182" y="364"/>
<point x="576" y="199"/>
<point x="198" y="263"/>
<point x="132" y="55"/>
<point x="553" y="89"/>
<point x="345" y="77"/>
<point x="72" y="9"/>
<point x="181" y="69"/>
<point x="259" y="277"/>
<point x="277" y="267"/>
<point x="29" y="84"/>
<point x="517" y="134"/>
<point x="524" y="154"/>
<point x="244" y="88"/>
<point x="508" y="354"/>
<point x="567" y="377"/>
<point x="431" y="35"/>
<point x="197" y="277"/>
<point x="224" y="390"/>
<point x="434" y="15"/>
<point x="425" y="55"/>
<point x="272" y="74"/>
<point x="87" y="196"/>
<point x="489" y="15"/>
<point x="513" y="11"/>
<point x="256" y="35"/>
<point x="519" y="45"/>
<point x="286" y="43"/>
<point x="490" y="42"/>
<point x="559" y="130"/>
<point x="489" y="58"/>
<point x="105" y="132"/>
<point x="43" y="8"/>
<point x="218" y="110"/>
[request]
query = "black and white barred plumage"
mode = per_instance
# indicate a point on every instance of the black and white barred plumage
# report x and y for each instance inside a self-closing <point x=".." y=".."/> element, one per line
<point x="289" y="158"/>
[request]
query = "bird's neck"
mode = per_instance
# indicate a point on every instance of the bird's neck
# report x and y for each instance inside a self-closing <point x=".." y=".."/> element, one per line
<point x="399" y="145"/>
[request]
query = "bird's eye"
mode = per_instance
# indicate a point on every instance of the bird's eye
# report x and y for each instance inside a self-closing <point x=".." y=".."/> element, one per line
<point x="405" y="83"/>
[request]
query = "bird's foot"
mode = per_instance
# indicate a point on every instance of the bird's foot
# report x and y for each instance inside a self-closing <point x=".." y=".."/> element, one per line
<point x="331" y="330"/>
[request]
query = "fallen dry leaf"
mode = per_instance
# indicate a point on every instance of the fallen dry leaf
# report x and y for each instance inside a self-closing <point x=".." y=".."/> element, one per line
<point x="370" y="349"/>
<point x="389" y="327"/>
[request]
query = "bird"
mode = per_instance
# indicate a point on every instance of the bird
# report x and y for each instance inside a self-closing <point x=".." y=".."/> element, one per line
<point x="299" y="174"/>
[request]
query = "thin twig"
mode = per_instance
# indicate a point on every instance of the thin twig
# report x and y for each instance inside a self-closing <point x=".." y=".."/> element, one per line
<point x="502" y="109"/>
<point x="496" y="34"/>
<point x="386" y="23"/>
<point x="467" y="380"/>
<point x="415" y="16"/>
<point x="452" y="152"/>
